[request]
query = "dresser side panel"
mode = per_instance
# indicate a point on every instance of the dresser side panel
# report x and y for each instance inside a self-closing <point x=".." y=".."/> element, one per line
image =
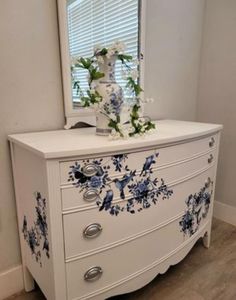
<point x="33" y="217"/>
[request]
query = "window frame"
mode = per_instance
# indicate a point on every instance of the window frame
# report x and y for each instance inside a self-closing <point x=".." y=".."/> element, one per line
<point x="80" y="114"/>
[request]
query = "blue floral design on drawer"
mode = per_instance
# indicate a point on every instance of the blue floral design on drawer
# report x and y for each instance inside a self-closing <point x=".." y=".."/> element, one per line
<point x="36" y="235"/>
<point x="99" y="180"/>
<point x="139" y="189"/>
<point x="197" y="209"/>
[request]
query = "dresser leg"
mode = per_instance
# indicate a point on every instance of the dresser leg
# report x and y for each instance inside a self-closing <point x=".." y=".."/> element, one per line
<point x="207" y="239"/>
<point x="28" y="280"/>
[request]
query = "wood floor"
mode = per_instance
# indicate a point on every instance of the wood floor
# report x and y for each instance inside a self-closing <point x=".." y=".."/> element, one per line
<point x="205" y="274"/>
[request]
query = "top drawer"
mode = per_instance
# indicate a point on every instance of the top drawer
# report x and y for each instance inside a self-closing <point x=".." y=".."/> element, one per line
<point x="115" y="163"/>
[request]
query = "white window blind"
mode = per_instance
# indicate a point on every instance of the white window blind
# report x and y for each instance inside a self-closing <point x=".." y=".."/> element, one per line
<point x="101" y="22"/>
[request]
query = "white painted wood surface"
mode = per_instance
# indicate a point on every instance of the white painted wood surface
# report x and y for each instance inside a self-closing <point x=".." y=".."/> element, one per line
<point x="61" y="143"/>
<point x="131" y="249"/>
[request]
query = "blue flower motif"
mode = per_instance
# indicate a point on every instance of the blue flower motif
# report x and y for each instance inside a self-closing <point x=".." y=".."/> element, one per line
<point x="197" y="209"/>
<point x="95" y="181"/>
<point x="39" y="231"/>
<point x="143" y="189"/>
<point x="99" y="180"/>
<point x="118" y="161"/>
<point x="116" y="100"/>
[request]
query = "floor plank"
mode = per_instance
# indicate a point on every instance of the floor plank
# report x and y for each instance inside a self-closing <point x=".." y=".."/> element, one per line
<point x="205" y="274"/>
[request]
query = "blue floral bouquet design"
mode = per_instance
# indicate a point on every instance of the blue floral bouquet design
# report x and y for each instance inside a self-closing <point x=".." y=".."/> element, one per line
<point x="141" y="188"/>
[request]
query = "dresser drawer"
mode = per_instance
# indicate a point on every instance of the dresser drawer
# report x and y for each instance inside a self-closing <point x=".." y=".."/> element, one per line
<point x="119" y="262"/>
<point x="116" y="164"/>
<point x="104" y="229"/>
<point x="85" y="194"/>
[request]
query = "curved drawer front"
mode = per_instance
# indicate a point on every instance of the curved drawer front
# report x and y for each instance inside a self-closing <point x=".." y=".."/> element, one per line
<point x="116" y="164"/>
<point x="129" y="184"/>
<point x="115" y="264"/>
<point x="117" y="229"/>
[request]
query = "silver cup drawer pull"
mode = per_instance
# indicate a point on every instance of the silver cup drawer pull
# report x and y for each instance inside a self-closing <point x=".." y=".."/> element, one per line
<point x="91" y="195"/>
<point x="92" y="230"/>
<point x="93" y="274"/>
<point x="210" y="159"/>
<point x="90" y="170"/>
<point x="211" y="142"/>
<point x="208" y="182"/>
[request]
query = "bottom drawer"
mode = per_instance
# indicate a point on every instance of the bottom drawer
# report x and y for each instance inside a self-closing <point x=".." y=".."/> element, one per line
<point x="118" y="263"/>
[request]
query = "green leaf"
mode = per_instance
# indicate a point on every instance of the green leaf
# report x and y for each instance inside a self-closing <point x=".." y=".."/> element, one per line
<point x="135" y="87"/>
<point x="97" y="75"/>
<point x="84" y="63"/>
<point x="124" y="57"/>
<point x="85" y="101"/>
<point x="103" y="51"/>
<point x="150" y="125"/>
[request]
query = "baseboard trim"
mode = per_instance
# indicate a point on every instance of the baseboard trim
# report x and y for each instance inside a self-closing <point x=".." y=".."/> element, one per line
<point x="11" y="282"/>
<point x="225" y="212"/>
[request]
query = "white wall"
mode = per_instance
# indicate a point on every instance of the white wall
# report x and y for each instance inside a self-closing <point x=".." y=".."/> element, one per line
<point x="173" y="43"/>
<point x="30" y="95"/>
<point x="217" y="88"/>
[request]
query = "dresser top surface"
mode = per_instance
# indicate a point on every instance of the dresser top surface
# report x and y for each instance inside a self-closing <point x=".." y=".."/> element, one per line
<point x="84" y="141"/>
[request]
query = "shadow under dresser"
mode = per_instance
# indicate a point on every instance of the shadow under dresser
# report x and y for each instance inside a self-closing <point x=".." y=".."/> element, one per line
<point x="100" y="217"/>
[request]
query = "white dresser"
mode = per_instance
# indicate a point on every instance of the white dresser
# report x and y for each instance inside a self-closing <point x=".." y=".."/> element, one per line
<point x="99" y="218"/>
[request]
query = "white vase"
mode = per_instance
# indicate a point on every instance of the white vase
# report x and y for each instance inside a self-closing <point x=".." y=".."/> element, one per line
<point x="111" y="93"/>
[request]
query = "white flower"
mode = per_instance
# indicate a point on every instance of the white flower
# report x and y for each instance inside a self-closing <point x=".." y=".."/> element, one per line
<point x="112" y="116"/>
<point x="114" y="135"/>
<point x="143" y="129"/>
<point x="118" y="46"/>
<point x="125" y="133"/>
<point x="93" y="85"/>
<point x="141" y="121"/>
<point x="98" y="99"/>
<point x="110" y="53"/>
<point x="100" y="59"/>
<point x="119" y="126"/>
<point x="92" y="91"/>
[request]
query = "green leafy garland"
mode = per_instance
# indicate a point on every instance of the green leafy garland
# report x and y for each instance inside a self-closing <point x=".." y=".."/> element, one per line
<point x="137" y="124"/>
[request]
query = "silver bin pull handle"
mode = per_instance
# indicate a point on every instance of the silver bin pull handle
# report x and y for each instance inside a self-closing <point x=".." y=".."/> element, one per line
<point x="90" y="170"/>
<point x="211" y="142"/>
<point x="92" y="231"/>
<point x="207" y="182"/>
<point x="91" y="195"/>
<point x="93" y="274"/>
<point x="210" y="159"/>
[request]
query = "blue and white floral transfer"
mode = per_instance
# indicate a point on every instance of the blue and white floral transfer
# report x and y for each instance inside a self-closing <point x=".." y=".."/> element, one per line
<point x="139" y="189"/>
<point x="36" y="235"/>
<point x="197" y="209"/>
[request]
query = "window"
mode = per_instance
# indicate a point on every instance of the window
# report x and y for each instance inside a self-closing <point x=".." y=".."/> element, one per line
<point x="101" y="22"/>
